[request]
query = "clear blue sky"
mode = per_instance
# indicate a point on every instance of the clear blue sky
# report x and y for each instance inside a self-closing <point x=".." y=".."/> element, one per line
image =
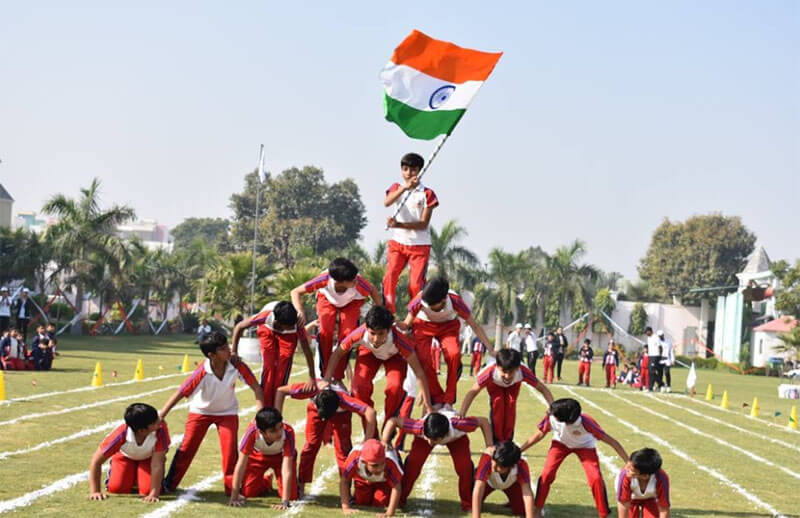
<point x="601" y="119"/>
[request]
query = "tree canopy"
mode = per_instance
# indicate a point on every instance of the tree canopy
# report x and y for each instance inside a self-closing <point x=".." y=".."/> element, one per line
<point x="209" y="230"/>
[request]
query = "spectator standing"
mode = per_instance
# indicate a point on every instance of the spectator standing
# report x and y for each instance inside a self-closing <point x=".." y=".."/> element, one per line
<point x="531" y="347"/>
<point x="5" y="309"/>
<point x="654" y="363"/>
<point x="21" y="309"/>
<point x="203" y="330"/>
<point x="515" y="337"/>
<point x="560" y="350"/>
<point x="667" y="361"/>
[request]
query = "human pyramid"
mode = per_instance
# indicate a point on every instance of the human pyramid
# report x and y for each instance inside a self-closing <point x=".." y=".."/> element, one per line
<point x="372" y="473"/>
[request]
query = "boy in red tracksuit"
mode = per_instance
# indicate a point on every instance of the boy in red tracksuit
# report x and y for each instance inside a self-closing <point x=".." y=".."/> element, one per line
<point x="610" y="364"/>
<point x="411" y="237"/>
<point x="643" y="487"/>
<point x="267" y="444"/>
<point x="477" y="356"/>
<point x="138" y="451"/>
<point x="573" y="432"/>
<point x="502" y="380"/>
<point x="585" y="356"/>
<point x="341" y="292"/>
<point x="502" y="468"/>
<point x="379" y="342"/>
<point x="644" y="369"/>
<point x="211" y="388"/>
<point x="331" y="406"/>
<point x="442" y="427"/>
<point x="434" y="313"/>
<point x="548" y="357"/>
<point x="278" y="333"/>
<point x="376" y="475"/>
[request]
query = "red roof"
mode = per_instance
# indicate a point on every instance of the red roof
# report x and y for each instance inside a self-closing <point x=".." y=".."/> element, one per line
<point x="779" y="325"/>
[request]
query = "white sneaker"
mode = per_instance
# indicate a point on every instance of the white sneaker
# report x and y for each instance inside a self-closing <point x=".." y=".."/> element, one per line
<point x="663" y="389"/>
<point x="668" y="389"/>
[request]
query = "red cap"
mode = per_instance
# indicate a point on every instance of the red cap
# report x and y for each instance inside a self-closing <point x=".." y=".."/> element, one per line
<point x="372" y="451"/>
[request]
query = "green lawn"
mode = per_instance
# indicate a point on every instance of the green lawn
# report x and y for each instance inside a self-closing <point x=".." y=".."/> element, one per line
<point x="721" y="463"/>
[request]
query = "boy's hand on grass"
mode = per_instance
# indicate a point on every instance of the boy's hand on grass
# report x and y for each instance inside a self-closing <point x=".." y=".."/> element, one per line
<point x="237" y="501"/>
<point x="348" y="510"/>
<point x="98" y="496"/>
<point x="150" y="499"/>
<point x="281" y="506"/>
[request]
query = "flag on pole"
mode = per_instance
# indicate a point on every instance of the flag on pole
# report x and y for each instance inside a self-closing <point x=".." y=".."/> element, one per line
<point x="691" y="379"/>
<point x="429" y="84"/>
<point x="262" y="175"/>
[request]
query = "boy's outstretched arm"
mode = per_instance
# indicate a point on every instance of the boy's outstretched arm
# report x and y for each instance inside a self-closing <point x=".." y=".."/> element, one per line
<point x="372" y="422"/>
<point x="171" y="402"/>
<point x="95" y="470"/>
<point x="157" y="462"/>
<point x="545" y="392"/>
<point x="468" y="398"/>
<point x="376" y="296"/>
<point x="304" y="345"/>
<point x="256" y="388"/>
<point x="297" y="302"/>
<point x="622" y="509"/>
<point x="288" y="481"/>
<point x="486" y="428"/>
<point x="533" y="439"/>
<point x="527" y="500"/>
<point x="394" y="500"/>
<point x="344" y="495"/>
<point x="280" y="395"/>
<point x="617" y="447"/>
<point x="388" y="430"/>
<point x="237" y="500"/>
<point x="422" y="380"/>
<point x="481" y="334"/>
<point x="477" y="498"/>
<point x="238" y="331"/>
<point x="337" y="355"/>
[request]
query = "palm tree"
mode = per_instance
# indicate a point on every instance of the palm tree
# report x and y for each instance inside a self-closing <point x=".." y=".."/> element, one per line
<point x="571" y="280"/>
<point x="84" y="230"/>
<point x="499" y="296"/>
<point x="447" y="255"/>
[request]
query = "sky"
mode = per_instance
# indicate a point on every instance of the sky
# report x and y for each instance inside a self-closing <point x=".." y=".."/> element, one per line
<point x="600" y="120"/>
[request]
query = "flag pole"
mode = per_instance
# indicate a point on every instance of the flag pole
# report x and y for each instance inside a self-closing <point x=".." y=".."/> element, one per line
<point x="420" y="175"/>
<point x="255" y="227"/>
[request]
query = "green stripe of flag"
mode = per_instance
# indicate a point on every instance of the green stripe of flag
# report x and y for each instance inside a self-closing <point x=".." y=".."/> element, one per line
<point x="420" y="124"/>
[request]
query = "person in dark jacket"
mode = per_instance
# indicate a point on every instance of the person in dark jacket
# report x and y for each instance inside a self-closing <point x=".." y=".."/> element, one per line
<point x="560" y="351"/>
<point x="22" y="311"/>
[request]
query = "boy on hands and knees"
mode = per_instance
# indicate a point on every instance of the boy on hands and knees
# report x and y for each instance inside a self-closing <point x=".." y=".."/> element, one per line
<point x="331" y="406"/>
<point x="138" y="451"/>
<point x="435" y="313"/>
<point x="340" y="292"/>
<point x="268" y="443"/>
<point x="573" y="432"/>
<point x="502" y="467"/>
<point x="446" y="428"/>
<point x="278" y="333"/>
<point x="502" y="380"/>
<point x="211" y="388"/>
<point x="643" y="487"/>
<point x="411" y="237"/>
<point x="376" y="475"/>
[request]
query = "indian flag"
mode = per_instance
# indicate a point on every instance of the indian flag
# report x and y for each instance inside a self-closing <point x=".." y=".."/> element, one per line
<point x="429" y="84"/>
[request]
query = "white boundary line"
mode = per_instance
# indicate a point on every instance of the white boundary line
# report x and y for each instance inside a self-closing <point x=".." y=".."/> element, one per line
<point x="700" y="433"/>
<point x="784" y="428"/>
<point x="190" y="495"/>
<point x="725" y="423"/>
<point x="714" y="473"/>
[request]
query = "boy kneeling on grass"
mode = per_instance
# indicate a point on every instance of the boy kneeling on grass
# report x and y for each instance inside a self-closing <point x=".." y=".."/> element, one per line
<point x="268" y="443"/>
<point x="502" y="467"/>
<point x="643" y="487"/>
<point x="376" y="475"/>
<point x="138" y="450"/>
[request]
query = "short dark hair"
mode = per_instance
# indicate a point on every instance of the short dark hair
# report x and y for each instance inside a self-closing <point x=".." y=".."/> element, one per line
<point x="285" y="313"/>
<point x="412" y="160"/>
<point x="436" y="426"/>
<point x="139" y="416"/>
<point x="647" y="461"/>
<point x="508" y="359"/>
<point x="327" y="403"/>
<point x="435" y="290"/>
<point x="507" y="454"/>
<point x="378" y="317"/>
<point x="566" y="410"/>
<point x="551" y="334"/>
<point x="267" y="418"/>
<point x="587" y="341"/>
<point x="342" y="269"/>
<point x="648" y="328"/>
<point x="212" y="342"/>
<point x="44" y="341"/>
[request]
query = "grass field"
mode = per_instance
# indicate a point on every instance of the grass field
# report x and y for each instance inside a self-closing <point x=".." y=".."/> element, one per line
<point x="721" y="463"/>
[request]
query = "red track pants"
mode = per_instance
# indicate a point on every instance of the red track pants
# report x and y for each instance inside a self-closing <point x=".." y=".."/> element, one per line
<point x="255" y="482"/>
<point x="277" y="353"/>
<point x="584" y="372"/>
<point x="348" y="320"/>
<point x="643" y="508"/>
<point x="611" y="375"/>
<point x="549" y="363"/>
<point x="447" y="335"/>
<point x="503" y="414"/>
<point x="514" y="494"/>
<point x="475" y="364"/>
<point x="194" y="433"/>
<point x="591" y="466"/>
<point x="315" y="430"/>
<point x="397" y="256"/>
<point x="405" y="411"/>
<point x="372" y="495"/>
<point x="124" y="472"/>
<point x="462" y="462"/>
<point x="366" y="368"/>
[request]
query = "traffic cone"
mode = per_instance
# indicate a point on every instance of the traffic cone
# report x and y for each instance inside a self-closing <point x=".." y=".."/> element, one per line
<point x="792" y="416"/>
<point x="754" y="409"/>
<point x="725" y="403"/>
<point x="2" y="387"/>
<point x="185" y="368"/>
<point x="709" y="393"/>
<point x="97" y="377"/>
<point x="139" y="374"/>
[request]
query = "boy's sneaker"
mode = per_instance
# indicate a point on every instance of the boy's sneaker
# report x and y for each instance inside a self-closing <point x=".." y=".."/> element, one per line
<point x="668" y="389"/>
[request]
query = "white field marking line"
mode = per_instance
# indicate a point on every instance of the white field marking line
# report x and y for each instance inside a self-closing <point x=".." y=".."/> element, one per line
<point x="190" y="495"/>
<point x="429" y="480"/>
<point x="700" y="433"/>
<point x="725" y="423"/>
<point x="714" y="473"/>
<point x="315" y="489"/>
<point x="87" y="389"/>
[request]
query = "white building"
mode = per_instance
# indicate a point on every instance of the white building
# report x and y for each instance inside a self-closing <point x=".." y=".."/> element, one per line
<point x="6" y="207"/>
<point x="149" y="232"/>
<point x="680" y="324"/>
<point x="765" y="339"/>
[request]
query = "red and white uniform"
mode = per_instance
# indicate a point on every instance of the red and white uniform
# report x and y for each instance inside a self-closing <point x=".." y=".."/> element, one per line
<point x="391" y="354"/>
<point x="444" y="326"/>
<point x="316" y="427"/>
<point x="277" y="351"/>
<point x="330" y="303"/>
<point x="213" y="401"/>
<point x="610" y="363"/>
<point x="578" y="438"/>
<point x="644" y="369"/>
<point x="456" y="441"/>
<point x="503" y="398"/>
<point x="511" y="485"/>
<point x="586" y="354"/>
<point x="644" y="501"/>
<point x="130" y="462"/>
<point x="264" y="457"/>
<point x="372" y="490"/>
<point x="548" y="361"/>
<point x="410" y="389"/>
<point x="412" y="247"/>
<point x="477" y="356"/>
